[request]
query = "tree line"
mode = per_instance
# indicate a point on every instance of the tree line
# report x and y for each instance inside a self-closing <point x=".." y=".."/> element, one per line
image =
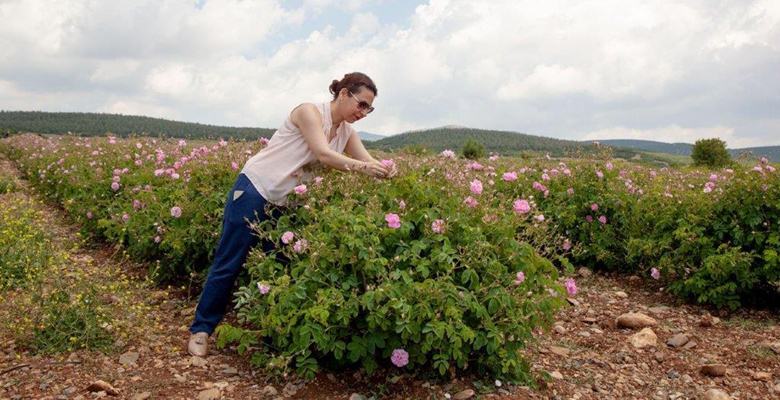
<point x="99" y="124"/>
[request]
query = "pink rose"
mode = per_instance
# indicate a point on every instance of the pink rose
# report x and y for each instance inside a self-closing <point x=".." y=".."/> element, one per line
<point x="300" y="246"/>
<point x="510" y="176"/>
<point x="476" y="186"/>
<point x="571" y="286"/>
<point x="519" y="278"/>
<point x="521" y="206"/>
<point x="263" y="288"/>
<point x="438" y="226"/>
<point x="400" y="358"/>
<point x="287" y="237"/>
<point x="390" y="164"/>
<point x="471" y="202"/>
<point x="176" y="212"/>
<point x="393" y="220"/>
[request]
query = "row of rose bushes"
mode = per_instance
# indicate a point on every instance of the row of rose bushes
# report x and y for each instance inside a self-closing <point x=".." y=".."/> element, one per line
<point x="422" y="270"/>
<point x="160" y="201"/>
<point x="375" y="273"/>
<point x="711" y="236"/>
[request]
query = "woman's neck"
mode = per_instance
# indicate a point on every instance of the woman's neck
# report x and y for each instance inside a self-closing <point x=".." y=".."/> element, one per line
<point x="334" y="116"/>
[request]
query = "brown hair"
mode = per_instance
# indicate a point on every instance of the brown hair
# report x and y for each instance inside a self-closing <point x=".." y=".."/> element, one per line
<point x="352" y="82"/>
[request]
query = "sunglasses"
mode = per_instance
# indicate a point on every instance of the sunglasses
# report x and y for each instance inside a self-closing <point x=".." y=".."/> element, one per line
<point x="362" y="104"/>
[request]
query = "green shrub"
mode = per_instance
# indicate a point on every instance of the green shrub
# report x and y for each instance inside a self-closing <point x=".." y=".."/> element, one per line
<point x="24" y="246"/>
<point x="361" y="289"/>
<point x="473" y="149"/>
<point x="711" y="153"/>
<point x="7" y="185"/>
<point x="64" y="323"/>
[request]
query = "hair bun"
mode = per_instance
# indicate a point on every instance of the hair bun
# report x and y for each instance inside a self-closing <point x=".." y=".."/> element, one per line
<point x="334" y="86"/>
<point x="352" y="82"/>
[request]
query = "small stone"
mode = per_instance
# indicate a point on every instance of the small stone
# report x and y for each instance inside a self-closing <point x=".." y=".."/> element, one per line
<point x="196" y="361"/>
<point x="210" y="394"/>
<point x="289" y="390"/>
<point x="356" y="396"/>
<point x="573" y="301"/>
<point x="644" y="338"/>
<point x="465" y="394"/>
<point x="73" y="358"/>
<point x="70" y="390"/>
<point x="270" y="391"/>
<point x="230" y="371"/>
<point x="102" y="386"/>
<point x="584" y="272"/>
<point x="635" y="321"/>
<point x="775" y="346"/>
<point x="691" y="344"/>
<point x="713" y="369"/>
<point x="584" y="333"/>
<point x="762" y="376"/>
<point x="659" y="356"/>
<point x="560" y="329"/>
<point x="128" y="359"/>
<point x="621" y="294"/>
<point x="659" y="309"/>
<point x="331" y="377"/>
<point x="716" y="394"/>
<point x="776" y="388"/>
<point x="677" y="340"/>
<point x="561" y="351"/>
<point x="589" y="320"/>
<point x="142" y="396"/>
<point x="556" y="375"/>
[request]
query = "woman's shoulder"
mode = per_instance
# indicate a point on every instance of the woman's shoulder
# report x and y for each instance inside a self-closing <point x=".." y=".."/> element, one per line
<point x="306" y="110"/>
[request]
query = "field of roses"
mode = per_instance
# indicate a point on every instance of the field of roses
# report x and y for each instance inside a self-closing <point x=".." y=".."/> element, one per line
<point x="450" y="266"/>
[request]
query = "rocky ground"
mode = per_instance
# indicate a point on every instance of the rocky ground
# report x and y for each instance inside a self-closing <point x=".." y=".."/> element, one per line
<point x="617" y="339"/>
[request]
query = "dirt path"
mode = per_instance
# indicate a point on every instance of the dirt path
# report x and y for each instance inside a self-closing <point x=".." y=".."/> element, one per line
<point x="586" y="354"/>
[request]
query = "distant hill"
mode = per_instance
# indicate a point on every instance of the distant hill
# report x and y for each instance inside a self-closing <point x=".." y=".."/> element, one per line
<point x="770" y="152"/>
<point x="98" y="124"/>
<point x="370" y="137"/>
<point x="447" y="137"/>
<point x="454" y="137"/>
<point x="649" y="145"/>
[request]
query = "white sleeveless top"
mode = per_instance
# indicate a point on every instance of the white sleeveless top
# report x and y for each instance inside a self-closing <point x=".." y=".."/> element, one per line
<point x="287" y="161"/>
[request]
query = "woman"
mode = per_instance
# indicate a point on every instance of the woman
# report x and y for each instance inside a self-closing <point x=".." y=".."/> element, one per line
<point x="312" y="133"/>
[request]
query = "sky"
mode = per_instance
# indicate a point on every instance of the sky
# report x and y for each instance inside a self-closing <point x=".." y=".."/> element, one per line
<point x="672" y="71"/>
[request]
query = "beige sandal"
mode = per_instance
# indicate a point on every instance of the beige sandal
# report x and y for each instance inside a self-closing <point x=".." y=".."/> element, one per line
<point x="199" y="343"/>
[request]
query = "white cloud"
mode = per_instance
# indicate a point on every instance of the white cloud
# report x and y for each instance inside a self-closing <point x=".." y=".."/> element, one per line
<point x="560" y="68"/>
<point x="132" y="107"/>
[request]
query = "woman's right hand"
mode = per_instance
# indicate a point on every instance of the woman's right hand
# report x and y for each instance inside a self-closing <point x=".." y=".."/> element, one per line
<point x="375" y="169"/>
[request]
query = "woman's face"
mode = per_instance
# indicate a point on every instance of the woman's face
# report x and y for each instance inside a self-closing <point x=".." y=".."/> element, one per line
<point x="356" y="105"/>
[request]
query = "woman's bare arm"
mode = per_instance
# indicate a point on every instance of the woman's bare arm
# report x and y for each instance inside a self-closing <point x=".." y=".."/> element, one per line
<point x="356" y="149"/>
<point x="308" y="119"/>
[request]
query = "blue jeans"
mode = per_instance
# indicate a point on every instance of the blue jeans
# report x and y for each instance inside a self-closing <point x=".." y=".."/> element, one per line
<point x="243" y="203"/>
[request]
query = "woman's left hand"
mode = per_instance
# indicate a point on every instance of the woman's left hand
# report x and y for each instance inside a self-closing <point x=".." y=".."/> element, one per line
<point x="393" y="171"/>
